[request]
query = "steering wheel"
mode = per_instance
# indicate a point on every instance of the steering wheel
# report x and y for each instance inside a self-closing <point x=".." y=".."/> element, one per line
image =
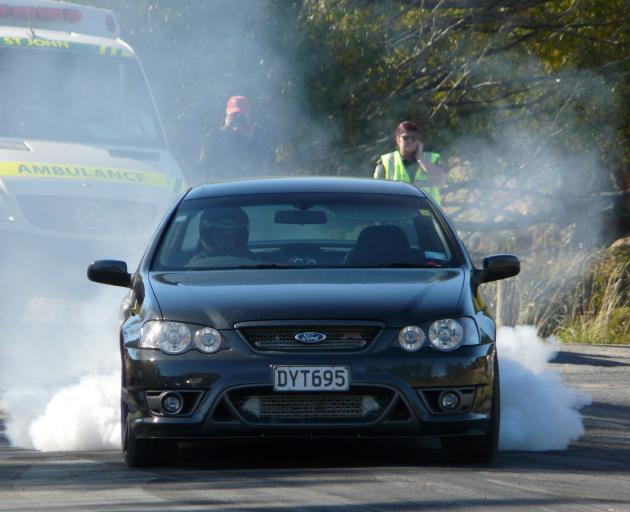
<point x="301" y="254"/>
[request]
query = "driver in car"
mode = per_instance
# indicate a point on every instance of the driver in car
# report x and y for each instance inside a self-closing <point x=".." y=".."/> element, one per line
<point x="224" y="232"/>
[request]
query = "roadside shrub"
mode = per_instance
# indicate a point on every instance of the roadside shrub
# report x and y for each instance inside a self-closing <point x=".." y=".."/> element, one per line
<point x="581" y="298"/>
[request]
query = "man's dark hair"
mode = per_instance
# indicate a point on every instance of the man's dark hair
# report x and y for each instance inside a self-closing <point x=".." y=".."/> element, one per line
<point x="407" y="126"/>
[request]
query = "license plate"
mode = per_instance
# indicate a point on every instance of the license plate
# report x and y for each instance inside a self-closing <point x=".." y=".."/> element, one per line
<point x="311" y="378"/>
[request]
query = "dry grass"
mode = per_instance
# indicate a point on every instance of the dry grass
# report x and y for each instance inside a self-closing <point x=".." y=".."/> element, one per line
<point x="577" y="294"/>
<point x="601" y="313"/>
<point x="580" y="297"/>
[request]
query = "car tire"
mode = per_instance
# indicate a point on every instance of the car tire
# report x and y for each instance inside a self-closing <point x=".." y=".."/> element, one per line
<point x="479" y="449"/>
<point x="142" y="453"/>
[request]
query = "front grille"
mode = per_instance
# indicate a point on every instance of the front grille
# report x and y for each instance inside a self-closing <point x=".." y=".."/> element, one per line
<point x="297" y="408"/>
<point x="88" y="215"/>
<point x="339" y="338"/>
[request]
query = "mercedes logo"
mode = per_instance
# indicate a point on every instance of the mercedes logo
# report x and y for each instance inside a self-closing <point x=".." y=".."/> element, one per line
<point x="90" y="215"/>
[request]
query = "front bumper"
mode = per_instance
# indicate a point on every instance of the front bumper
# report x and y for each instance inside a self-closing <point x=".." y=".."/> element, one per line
<point x="405" y="380"/>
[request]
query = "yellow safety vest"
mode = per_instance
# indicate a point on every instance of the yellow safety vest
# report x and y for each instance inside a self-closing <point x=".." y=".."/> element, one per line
<point x="395" y="170"/>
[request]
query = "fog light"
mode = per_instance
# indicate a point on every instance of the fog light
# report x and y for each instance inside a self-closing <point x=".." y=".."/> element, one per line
<point x="449" y="401"/>
<point x="172" y="403"/>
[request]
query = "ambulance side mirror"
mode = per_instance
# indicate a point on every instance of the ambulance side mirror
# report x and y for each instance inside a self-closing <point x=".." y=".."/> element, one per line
<point x="109" y="272"/>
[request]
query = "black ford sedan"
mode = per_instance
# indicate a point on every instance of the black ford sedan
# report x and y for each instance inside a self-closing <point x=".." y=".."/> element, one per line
<point x="306" y="307"/>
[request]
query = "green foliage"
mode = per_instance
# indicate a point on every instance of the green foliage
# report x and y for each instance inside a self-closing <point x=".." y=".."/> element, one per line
<point x="341" y="74"/>
<point x="527" y="101"/>
<point x="463" y="71"/>
<point x="198" y="53"/>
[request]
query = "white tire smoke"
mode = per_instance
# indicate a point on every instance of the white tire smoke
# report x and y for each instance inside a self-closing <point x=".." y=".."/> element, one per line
<point x="539" y="412"/>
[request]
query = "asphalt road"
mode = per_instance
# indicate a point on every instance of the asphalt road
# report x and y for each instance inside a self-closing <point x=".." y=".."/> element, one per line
<point x="593" y="474"/>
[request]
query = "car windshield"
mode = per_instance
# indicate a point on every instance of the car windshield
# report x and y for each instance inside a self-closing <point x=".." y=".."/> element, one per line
<point x="74" y="97"/>
<point x="304" y="230"/>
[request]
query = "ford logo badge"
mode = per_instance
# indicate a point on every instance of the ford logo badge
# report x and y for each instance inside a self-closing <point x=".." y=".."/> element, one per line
<point x="310" y="337"/>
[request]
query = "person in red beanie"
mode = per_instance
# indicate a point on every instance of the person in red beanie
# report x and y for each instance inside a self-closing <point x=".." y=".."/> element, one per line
<point x="411" y="164"/>
<point x="237" y="114"/>
<point x="240" y="148"/>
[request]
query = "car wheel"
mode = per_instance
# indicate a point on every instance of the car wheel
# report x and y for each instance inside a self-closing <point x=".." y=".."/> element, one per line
<point x="479" y="449"/>
<point x="142" y="453"/>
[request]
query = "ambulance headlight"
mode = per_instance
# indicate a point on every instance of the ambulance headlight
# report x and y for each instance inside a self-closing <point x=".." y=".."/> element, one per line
<point x="446" y="334"/>
<point x="5" y="212"/>
<point x="169" y="337"/>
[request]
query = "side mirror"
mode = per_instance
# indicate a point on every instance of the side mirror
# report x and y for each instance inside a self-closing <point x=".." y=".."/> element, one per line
<point x="499" y="266"/>
<point x="109" y="272"/>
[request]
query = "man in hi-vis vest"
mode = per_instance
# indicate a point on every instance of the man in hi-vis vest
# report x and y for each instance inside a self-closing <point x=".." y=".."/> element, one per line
<point x="408" y="163"/>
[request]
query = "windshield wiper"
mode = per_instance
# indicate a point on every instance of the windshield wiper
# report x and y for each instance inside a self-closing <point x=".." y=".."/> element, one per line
<point x="263" y="265"/>
<point x="396" y="265"/>
<point x="239" y="267"/>
<point x="340" y="267"/>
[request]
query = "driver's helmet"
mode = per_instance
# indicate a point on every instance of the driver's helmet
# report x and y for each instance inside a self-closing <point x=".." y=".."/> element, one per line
<point x="225" y="230"/>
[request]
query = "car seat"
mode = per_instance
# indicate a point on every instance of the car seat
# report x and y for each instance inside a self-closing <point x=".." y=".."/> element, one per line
<point x="380" y="246"/>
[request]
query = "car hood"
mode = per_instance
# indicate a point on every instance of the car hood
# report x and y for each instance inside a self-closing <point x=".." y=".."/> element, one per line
<point x="221" y="299"/>
<point x="84" y="170"/>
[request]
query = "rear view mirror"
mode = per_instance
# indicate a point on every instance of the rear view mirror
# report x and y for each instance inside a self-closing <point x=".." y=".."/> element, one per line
<point x="109" y="272"/>
<point x="300" y="217"/>
<point x="499" y="266"/>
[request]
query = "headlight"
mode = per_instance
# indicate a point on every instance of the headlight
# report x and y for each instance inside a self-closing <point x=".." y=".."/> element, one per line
<point x="5" y="212"/>
<point x="411" y="338"/>
<point x="169" y="337"/>
<point x="176" y="337"/>
<point x="208" y="340"/>
<point x="446" y="334"/>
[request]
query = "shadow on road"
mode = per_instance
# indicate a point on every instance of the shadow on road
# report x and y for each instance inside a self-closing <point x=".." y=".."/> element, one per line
<point x="273" y="454"/>
<point x="339" y="456"/>
<point x="577" y="358"/>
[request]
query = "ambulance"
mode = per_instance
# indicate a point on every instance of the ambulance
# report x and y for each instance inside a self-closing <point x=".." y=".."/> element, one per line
<point x="85" y="168"/>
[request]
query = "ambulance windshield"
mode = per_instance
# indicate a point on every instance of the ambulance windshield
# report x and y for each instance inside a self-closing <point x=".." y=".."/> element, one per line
<point x="74" y="97"/>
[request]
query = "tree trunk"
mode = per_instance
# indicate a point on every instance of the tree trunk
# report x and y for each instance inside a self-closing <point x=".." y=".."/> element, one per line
<point x="508" y="303"/>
